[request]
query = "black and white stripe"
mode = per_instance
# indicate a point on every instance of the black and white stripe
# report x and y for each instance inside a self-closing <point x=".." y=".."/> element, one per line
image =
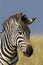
<point x="8" y="52"/>
<point x="21" y="42"/>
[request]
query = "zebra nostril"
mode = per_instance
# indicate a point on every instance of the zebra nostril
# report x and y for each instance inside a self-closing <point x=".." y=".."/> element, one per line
<point x="29" y="51"/>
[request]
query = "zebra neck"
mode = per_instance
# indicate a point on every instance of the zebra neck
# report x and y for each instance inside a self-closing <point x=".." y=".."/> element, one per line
<point x="9" y="53"/>
<point x="6" y="40"/>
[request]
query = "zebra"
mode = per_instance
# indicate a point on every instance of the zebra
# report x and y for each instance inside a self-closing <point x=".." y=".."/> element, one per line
<point x="15" y="33"/>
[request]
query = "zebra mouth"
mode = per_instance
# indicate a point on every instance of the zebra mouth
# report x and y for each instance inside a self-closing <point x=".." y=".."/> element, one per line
<point x="28" y="52"/>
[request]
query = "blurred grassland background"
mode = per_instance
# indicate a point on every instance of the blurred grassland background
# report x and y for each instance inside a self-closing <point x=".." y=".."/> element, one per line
<point x="37" y="57"/>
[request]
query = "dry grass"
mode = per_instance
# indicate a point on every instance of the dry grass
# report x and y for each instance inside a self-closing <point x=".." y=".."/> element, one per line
<point x="37" y="57"/>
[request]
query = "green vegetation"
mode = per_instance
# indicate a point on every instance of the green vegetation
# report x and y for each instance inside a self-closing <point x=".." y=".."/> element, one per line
<point x="37" y="57"/>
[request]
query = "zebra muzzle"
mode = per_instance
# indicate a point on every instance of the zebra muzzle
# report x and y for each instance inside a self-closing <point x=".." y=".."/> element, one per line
<point x="29" y="51"/>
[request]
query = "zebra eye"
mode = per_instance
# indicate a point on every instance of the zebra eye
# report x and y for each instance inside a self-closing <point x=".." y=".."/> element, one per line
<point x="20" y="32"/>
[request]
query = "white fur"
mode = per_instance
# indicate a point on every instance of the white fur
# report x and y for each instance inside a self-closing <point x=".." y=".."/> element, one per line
<point x="16" y="22"/>
<point x="30" y="20"/>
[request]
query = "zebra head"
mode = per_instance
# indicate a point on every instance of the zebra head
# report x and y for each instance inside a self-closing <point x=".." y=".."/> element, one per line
<point x="18" y="32"/>
<point x="23" y="36"/>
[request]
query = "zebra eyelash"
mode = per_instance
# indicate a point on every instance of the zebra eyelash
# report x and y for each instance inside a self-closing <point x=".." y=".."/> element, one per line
<point x="20" y="32"/>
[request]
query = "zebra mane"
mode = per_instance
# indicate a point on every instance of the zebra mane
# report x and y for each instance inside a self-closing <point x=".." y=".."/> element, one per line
<point x="18" y="16"/>
<point x="7" y="22"/>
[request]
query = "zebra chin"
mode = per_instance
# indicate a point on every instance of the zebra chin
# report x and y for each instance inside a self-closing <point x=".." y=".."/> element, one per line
<point x="29" y="51"/>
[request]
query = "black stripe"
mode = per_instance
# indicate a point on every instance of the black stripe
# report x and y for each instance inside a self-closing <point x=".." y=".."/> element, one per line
<point x="20" y="37"/>
<point x="1" y="62"/>
<point x="14" y="57"/>
<point x="11" y="58"/>
<point x="3" y="52"/>
<point x="14" y="46"/>
<point x="7" y="50"/>
<point x="8" y="45"/>
<point x="0" y="54"/>
<point x="4" y="61"/>
<point x="19" y="40"/>
<point x="14" y="62"/>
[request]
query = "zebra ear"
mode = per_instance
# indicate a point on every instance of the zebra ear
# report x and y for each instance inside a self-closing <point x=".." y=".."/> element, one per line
<point x="18" y="16"/>
<point x="31" y="20"/>
<point x="27" y="21"/>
